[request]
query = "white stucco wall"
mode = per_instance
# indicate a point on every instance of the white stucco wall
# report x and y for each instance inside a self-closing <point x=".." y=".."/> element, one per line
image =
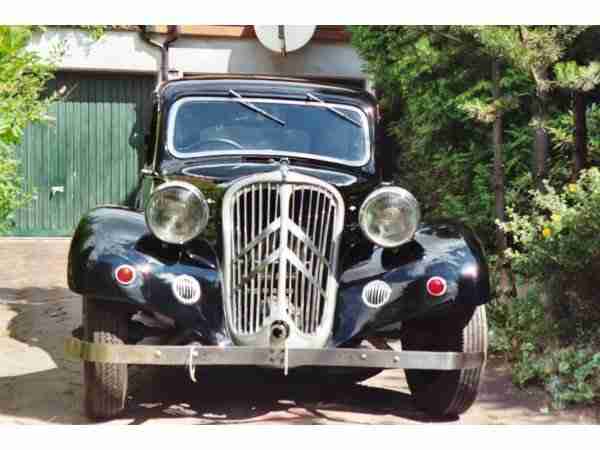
<point x="127" y="52"/>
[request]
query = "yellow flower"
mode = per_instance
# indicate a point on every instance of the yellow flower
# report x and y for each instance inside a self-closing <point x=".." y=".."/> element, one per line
<point x="546" y="232"/>
<point x="572" y="187"/>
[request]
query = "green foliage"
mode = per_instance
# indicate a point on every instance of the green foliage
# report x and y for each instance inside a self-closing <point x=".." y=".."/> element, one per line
<point x="556" y="244"/>
<point x="560" y="231"/>
<point x="519" y="325"/>
<point x="562" y="129"/>
<point x="11" y="195"/>
<point x="527" y="47"/>
<point x="520" y="332"/>
<point x="593" y="117"/>
<point x="570" y="375"/>
<point x="571" y="75"/>
<point x="23" y="78"/>
<point x="436" y="96"/>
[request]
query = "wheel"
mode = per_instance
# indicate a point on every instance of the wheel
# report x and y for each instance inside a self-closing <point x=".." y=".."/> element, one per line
<point x="443" y="392"/>
<point x="105" y="384"/>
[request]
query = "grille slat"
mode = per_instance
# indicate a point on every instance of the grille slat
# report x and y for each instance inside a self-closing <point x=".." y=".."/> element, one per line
<point x="315" y="263"/>
<point x="324" y="237"/>
<point x="237" y="294"/>
<point x="311" y="287"/>
<point x="260" y="257"/>
<point x="252" y="262"/>
<point x="291" y="226"/>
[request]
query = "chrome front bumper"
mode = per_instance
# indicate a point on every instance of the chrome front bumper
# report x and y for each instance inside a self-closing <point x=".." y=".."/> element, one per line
<point x="268" y="357"/>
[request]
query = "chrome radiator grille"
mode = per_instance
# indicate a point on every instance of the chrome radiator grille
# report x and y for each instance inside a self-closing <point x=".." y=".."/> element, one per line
<point x="281" y="235"/>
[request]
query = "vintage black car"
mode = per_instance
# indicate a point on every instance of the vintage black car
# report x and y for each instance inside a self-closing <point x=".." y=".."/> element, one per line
<point x="267" y="234"/>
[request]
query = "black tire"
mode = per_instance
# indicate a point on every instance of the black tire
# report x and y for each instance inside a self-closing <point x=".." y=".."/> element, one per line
<point x="105" y="384"/>
<point x="447" y="393"/>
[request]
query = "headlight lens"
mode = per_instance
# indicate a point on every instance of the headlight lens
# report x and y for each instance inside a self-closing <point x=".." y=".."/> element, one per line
<point x="177" y="212"/>
<point x="389" y="216"/>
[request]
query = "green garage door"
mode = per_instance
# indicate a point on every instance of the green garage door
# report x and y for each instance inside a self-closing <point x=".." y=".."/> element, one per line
<point x="88" y="155"/>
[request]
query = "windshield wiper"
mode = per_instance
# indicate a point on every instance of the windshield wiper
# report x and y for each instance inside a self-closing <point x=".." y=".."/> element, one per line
<point x="255" y="108"/>
<point x="333" y="110"/>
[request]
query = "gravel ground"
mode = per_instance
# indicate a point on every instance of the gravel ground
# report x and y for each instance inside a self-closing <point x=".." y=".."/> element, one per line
<point x="38" y="385"/>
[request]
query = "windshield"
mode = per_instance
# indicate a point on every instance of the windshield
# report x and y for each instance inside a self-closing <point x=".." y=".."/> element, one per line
<point x="203" y="127"/>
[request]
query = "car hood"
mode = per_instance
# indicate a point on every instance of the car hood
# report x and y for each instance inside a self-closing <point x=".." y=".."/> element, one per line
<point x="215" y="176"/>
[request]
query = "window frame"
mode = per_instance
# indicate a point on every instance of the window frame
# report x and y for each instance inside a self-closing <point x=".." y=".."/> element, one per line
<point x="250" y="152"/>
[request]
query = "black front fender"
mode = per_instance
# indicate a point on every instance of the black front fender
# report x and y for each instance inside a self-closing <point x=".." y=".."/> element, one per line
<point x="108" y="237"/>
<point x="449" y="250"/>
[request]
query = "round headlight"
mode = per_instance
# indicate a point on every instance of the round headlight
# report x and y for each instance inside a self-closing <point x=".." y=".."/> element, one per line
<point x="389" y="216"/>
<point x="177" y="212"/>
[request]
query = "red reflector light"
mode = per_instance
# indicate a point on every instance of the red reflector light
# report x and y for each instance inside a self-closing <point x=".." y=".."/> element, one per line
<point x="436" y="286"/>
<point x="125" y="274"/>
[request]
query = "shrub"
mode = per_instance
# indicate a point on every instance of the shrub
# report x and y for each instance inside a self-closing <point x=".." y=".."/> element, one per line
<point x="23" y="78"/>
<point x="560" y="232"/>
<point x="11" y="194"/>
<point x="521" y="333"/>
<point x="571" y="375"/>
<point x="556" y="243"/>
<point x="520" y="324"/>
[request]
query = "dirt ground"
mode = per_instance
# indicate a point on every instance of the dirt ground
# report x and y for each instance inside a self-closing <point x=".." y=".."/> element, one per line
<point x="39" y="385"/>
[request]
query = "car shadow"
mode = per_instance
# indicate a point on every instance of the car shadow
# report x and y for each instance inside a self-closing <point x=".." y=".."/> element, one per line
<point x="247" y="396"/>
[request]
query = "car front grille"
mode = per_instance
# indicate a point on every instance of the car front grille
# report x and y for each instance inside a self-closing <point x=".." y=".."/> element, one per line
<point x="281" y="234"/>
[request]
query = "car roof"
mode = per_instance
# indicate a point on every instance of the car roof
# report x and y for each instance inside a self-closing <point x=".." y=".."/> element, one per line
<point x="261" y="85"/>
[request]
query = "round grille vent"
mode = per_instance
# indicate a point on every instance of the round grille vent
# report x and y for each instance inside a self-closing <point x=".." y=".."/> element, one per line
<point x="376" y="293"/>
<point x="186" y="289"/>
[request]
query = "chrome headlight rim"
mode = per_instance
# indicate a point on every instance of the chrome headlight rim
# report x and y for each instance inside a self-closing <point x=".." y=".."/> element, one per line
<point x="394" y="190"/>
<point x="182" y="185"/>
